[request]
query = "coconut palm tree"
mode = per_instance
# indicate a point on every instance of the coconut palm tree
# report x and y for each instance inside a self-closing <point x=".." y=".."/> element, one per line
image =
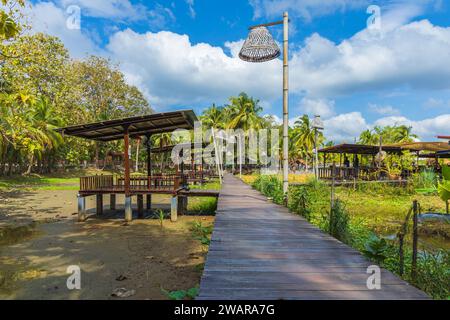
<point x="304" y="138"/>
<point x="213" y="117"/>
<point x="244" y="113"/>
<point x="404" y="134"/>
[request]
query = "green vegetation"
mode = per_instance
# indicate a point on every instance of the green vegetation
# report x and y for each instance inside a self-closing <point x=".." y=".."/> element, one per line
<point x="368" y="218"/>
<point x="189" y="294"/>
<point x="201" y="232"/>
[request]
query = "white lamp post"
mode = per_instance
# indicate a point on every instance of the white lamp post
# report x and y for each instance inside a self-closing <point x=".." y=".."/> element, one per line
<point x="260" y="47"/>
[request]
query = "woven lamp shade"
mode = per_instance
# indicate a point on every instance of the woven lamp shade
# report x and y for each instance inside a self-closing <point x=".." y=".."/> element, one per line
<point x="259" y="46"/>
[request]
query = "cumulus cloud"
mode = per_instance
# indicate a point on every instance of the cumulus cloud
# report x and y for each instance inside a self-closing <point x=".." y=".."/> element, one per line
<point x="426" y="129"/>
<point x="345" y="127"/>
<point x="322" y="107"/>
<point x="48" y="18"/>
<point x="111" y="9"/>
<point x="414" y="55"/>
<point x="172" y="70"/>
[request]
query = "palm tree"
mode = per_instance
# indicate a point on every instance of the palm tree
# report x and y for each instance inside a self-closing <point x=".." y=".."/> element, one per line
<point x="213" y="117"/>
<point x="304" y="138"/>
<point x="244" y="113"/>
<point x="43" y="121"/>
<point x="367" y="137"/>
<point x="404" y="134"/>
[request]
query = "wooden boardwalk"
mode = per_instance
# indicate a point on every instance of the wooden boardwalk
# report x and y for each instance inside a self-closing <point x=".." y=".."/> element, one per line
<point x="261" y="251"/>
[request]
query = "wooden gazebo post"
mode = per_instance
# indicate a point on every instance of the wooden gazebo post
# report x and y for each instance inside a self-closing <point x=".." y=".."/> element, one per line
<point x="149" y="171"/>
<point x="128" y="209"/>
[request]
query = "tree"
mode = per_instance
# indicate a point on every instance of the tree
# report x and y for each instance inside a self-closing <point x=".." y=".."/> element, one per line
<point x="104" y="94"/>
<point x="10" y="26"/>
<point x="404" y="134"/>
<point x="244" y="113"/>
<point x="304" y="138"/>
<point x="213" y="117"/>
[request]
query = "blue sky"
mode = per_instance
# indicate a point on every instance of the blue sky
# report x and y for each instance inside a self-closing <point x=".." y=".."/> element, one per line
<point x="184" y="54"/>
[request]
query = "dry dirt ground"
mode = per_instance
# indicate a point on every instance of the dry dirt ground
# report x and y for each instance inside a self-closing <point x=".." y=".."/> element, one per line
<point x="45" y="238"/>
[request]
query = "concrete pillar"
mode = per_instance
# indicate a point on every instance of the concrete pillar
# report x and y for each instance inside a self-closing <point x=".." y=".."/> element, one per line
<point x="149" y="201"/>
<point x="128" y="209"/>
<point x="140" y="205"/>
<point x="81" y="208"/>
<point x="99" y="204"/>
<point x="112" y="202"/>
<point x="174" y="209"/>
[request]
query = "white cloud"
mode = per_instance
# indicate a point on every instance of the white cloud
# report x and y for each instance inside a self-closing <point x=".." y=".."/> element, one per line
<point x="414" y="55"/>
<point x="345" y="127"/>
<point x="384" y="110"/>
<point x="48" y="18"/>
<point x="322" y="107"/>
<point x="426" y="129"/>
<point x="111" y="9"/>
<point x="173" y="71"/>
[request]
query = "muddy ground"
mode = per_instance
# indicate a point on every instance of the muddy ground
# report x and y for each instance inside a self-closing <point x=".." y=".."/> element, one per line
<point x="41" y="239"/>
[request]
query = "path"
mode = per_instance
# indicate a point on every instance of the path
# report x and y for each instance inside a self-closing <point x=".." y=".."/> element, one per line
<point x="261" y="251"/>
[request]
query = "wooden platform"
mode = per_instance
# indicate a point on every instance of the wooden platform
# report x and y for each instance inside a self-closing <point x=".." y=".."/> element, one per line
<point x="261" y="251"/>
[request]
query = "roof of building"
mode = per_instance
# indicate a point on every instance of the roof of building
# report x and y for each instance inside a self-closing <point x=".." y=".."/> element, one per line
<point x="423" y="146"/>
<point x="359" y="149"/>
<point x="137" y="126"/>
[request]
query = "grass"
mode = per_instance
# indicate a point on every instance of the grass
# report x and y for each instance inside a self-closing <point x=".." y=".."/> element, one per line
<point x="293" y="178"/>
<point x="204" y="205"/>
<point x="384" y="213"/>
<point x="55" y="181"/>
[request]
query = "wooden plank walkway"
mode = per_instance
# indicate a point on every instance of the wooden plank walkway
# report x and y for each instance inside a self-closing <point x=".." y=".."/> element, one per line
<point x="261" y="251"/>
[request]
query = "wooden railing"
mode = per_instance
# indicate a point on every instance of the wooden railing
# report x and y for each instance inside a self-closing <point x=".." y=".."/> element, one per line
<point x="103" y="183"/>
<point x="96" y="182"/>
<point x="343" y="173"/>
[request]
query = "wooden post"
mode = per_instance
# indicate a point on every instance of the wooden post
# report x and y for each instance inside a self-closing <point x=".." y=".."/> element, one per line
<point x="126" y="140"/>
<point x="174" y="209"/>
<point x="140" y="205"/>
<point x="415" y="241"/>
<point x="99" y="204"/>
<point x="149" y="172"/>
<point x="128" y="209"/>
<point x="149" y="201"/>
<point x="400" y="254"/>
<point x="81" y="208"/>
<point x="112" y="202"/>
<point x="332" y="198"/>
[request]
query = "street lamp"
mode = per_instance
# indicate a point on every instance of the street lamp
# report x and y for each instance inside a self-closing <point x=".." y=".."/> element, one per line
<point x="260" y="47"/>
<point x="317" y="124"/>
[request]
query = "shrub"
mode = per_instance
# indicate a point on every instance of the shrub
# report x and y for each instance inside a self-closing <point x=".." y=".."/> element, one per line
<point x="270" y="186"/>
<point x="339" y="221"/>
<point x="310" y="200"/>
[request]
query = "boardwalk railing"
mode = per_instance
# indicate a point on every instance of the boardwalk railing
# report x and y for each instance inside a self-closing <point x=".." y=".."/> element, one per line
<point x="344" y="173"/>
<point x="110" y="183"/>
